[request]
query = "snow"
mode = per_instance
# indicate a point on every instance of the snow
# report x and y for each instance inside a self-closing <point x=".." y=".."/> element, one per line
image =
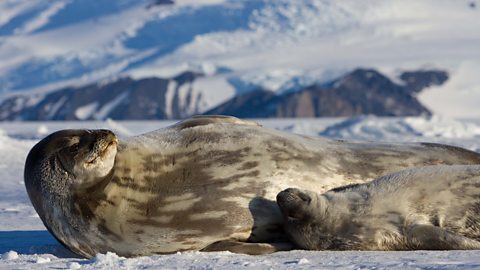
<point x="434" y="129"/>
<point x="11" y="255"/>
<point x="369" y="128"/>
<point x="171" y="90"/>
<point x="213" y="90"/>
<point x="281" y="260"/>
<point x="43" y="260"/>
<point x="463" y="84"/>
<point x="107" y="108"/>
<point x="73" y="265"/>
<point x="440" y="126"/>
<point x="53" y="109"/>
<point x="26" y="244"/>
<point x="278" y="44"/>
<point x="86" y="111"/>
<point x="276" y="80"/>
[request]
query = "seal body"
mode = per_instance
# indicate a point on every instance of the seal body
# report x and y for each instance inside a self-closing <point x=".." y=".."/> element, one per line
<point x="207" y="183"/>
<point x="433" y="207"/>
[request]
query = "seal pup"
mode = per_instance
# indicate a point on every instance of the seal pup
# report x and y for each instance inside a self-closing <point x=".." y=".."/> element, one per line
<point x="207" y="183"/>
<point x="429" y="208"/>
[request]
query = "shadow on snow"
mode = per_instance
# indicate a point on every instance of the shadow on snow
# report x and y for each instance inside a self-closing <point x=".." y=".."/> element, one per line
<point x="33" y="242"/>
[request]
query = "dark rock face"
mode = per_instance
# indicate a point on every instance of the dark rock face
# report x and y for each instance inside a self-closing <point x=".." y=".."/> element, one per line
<point x="250" y="105"/>
<point x="363" y="91"/>
<point x="419" y="80"/>
<point x="122" y="99"/>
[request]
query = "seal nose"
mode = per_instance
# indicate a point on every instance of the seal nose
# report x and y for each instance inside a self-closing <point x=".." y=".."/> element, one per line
<point x="99" y="139"/>
<point x="106" y="135"/>
<point x="292" y="194"/>
<point x="305" y="197"/>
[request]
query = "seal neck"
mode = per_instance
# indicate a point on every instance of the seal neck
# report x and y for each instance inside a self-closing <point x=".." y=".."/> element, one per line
<point x="337" y="211"/>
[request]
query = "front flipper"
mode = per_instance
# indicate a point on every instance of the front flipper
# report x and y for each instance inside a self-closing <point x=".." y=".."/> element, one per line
<point x="430" y="237"/>
<point x="248" y="248"/>
<point x="202" y="120"/>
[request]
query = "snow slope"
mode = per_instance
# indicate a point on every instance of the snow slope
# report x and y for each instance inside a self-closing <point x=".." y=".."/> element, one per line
<point x="277" y="44"/>
<point x="25" y="243"/>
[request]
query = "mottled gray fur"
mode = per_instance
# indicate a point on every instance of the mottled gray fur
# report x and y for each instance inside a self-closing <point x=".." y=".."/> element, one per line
<point x="207" y="183"/>
<point x="432" y="207"/>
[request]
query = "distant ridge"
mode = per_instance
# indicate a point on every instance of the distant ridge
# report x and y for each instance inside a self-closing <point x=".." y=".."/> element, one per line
<point x="363" y="91"/>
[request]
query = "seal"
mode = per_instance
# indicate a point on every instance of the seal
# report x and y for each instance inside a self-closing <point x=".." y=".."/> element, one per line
<point x="208" y="183"/>
<point x="428" y="208"/>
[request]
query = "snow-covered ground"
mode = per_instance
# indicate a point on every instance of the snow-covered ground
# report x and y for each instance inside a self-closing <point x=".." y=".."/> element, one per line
<point x="239" y="44"/>
<point x="25" y="243"/>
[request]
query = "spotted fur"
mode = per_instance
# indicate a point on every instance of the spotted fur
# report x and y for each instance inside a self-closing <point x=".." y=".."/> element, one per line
<point x="432" y="207"/>
<point x="196" y="184"/>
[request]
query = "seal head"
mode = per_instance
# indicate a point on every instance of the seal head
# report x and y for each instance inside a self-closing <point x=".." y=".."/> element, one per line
<point x="304" y="215"/>
<point x="61" y="163"/>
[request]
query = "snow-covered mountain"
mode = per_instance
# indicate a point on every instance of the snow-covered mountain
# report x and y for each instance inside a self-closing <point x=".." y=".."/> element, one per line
<point x="360" y="92"/>
<point x="239" y="45"/>
<point x="124" y="98"/>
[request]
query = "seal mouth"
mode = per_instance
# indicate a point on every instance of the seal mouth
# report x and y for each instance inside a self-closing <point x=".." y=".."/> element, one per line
<point x="284" y="202"/>
<point x="294" y="216"/>
<point x="291" y="202"/>
<point x="293" y="219"/>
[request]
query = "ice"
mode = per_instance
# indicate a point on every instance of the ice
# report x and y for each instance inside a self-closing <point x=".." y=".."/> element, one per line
<point x="108" y="260"/>
<point x="43" y="260"/>
<point x="26" y="244"/>
<point x="371" y="128"/>
<point x="11" y="255"/>
<point x="303" y="261"/>
<point x="447" y="127"/>
<point x="73" y="265"/>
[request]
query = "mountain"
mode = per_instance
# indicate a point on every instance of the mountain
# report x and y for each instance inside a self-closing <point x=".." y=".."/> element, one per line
<point x="125" y="98"/>
<point x="237" y="45"/>
<point x="363" y="91"/>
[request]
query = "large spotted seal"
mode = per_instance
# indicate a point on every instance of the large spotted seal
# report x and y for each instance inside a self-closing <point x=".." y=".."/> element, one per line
<point x="207" y="183"/>
<point x="432" y="207"/>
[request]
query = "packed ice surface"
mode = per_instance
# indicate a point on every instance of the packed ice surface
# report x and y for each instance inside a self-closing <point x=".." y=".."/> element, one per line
<point x="25" y="243"/>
